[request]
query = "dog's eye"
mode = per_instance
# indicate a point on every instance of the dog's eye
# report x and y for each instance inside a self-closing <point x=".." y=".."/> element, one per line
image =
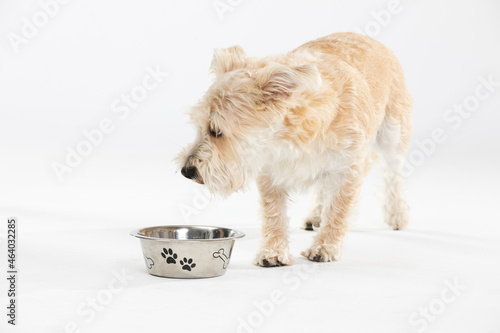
<point x="215" y="133"/>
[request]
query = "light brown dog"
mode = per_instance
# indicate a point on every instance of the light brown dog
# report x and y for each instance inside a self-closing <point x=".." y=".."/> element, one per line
<point x="309" y="119"/>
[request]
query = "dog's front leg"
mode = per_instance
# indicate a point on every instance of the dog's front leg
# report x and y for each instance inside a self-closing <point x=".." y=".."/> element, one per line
<point x="274" y="244"/>
<point x="337" y="207"/>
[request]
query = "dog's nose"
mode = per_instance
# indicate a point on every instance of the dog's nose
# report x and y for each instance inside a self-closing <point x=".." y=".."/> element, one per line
<point x="189" y="172"/>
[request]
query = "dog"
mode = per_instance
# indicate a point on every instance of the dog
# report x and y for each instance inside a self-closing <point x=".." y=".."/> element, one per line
<point x="312" y="119"/>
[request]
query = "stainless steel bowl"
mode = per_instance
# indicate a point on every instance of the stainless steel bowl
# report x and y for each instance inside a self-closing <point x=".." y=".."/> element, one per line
<point x="179" y="251"/>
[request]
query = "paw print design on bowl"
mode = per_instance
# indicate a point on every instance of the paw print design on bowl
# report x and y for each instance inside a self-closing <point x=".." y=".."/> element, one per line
<point x="169" y="255"/>
<point x="187" y="264"/>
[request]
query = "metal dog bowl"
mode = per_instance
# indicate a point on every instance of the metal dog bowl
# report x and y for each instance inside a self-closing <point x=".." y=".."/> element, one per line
<point x="187" y="252"/>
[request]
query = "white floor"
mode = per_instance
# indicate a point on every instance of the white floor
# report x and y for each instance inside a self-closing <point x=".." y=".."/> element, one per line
<point x="387" y="281"/>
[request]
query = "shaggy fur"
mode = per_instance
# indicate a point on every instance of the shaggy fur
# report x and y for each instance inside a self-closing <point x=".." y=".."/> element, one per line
<point x="306" y="120"/>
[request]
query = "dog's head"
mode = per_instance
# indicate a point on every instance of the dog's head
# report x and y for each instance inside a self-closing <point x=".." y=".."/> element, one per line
<point x="240" y="116"/>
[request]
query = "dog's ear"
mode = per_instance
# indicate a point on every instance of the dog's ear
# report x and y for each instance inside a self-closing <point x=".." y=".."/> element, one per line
<point x="226" y="60"/>
<point x="280" y="81"/>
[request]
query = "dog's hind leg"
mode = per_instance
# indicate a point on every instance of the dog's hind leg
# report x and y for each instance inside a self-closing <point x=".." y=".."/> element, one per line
<point x="274" y="247"/>
<point x="392" y="145"/>
<point x="314" y="219"/>
<point x="393" y="138"/>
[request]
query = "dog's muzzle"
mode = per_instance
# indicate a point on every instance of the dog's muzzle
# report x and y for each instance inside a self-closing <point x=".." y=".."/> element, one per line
<point x="189" y="172"/>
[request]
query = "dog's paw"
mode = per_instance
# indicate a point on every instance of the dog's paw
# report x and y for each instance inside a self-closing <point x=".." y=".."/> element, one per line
<point x="312" y="223"/>
<point x="273" y="257"/>
<point x="398" y="218"/>
<point x="323" y="252"/>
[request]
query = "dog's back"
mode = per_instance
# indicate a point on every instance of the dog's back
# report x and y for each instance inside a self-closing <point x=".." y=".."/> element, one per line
<point x="366" y="61"/>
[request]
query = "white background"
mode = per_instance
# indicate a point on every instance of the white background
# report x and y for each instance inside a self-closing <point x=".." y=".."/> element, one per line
<point x="74" y="233"/>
